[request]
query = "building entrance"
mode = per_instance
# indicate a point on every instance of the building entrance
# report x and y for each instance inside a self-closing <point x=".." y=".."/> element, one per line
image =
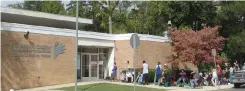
<point x="91" y="64"/>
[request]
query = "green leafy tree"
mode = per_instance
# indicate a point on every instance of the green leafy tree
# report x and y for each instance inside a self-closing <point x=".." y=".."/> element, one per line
<point x="187" y="13"/>
<point x="231" y="18"/>
<point x="97" y="11"/>
<point x="236" y="47"/>
<point x="55" y="7"/>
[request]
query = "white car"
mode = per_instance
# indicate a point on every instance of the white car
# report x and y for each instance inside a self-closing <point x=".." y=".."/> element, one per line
<point x="239" y="77"/>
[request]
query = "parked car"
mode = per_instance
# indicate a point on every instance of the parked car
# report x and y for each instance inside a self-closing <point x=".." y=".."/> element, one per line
<point x="239" y="77"/>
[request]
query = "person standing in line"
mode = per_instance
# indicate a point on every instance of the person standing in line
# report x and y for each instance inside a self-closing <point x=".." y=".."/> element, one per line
<point x="128" y="66"/>
<point x="145" y="73"/>
<point x="214" y="77"/>
<point x="114" y="73"/>
<point x="219" y="72"/>
<point x="236" y="65"/>
<point x="158" y="72"/>
<point x="195" y="78"/>
<point x="231" y="74"/>
<point x="182" y="77"/>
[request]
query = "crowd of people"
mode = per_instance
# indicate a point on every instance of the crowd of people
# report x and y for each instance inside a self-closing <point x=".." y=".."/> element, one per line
<point x="194" y="79"/>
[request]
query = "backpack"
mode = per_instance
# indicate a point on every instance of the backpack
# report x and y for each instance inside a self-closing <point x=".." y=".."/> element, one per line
<point x="158" y="71"/>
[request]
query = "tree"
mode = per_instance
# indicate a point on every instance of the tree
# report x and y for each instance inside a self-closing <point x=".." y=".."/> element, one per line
<point x="97" y="11"/>
<point x="192" y="13"/>
<point x="231" y="18"/>
<point x="195" y="46"/>
<point x="55" y="7"/>
<point x="236" y="47"/>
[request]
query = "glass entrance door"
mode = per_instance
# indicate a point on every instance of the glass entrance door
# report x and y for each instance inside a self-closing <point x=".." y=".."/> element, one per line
<point x="90" y="69"/>
<point x="94" y="66"/>
<point x="85" y="66"/>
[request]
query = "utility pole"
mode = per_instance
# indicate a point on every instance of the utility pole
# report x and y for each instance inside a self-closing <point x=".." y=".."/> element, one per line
<point x="110" y="22"/>
<point x="76" y="47"/>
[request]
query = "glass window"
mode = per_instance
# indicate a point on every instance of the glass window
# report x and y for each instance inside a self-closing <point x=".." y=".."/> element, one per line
<point x="103" y="50"/>
<point x="89" y="50"/>
<point x="85" y="66"/>
<point x="102" y="57"/>
<point x="79" y="49"/>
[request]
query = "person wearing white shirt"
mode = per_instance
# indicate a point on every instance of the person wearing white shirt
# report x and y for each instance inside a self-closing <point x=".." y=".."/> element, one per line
<point x="129" y="74"/>
<point x="145" y="73"/>
<point x="214" y="77"/>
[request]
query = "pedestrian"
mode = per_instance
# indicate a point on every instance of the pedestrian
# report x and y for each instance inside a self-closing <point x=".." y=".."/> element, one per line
<point x="114" y="73"/>
<point x="195" y="78"/>
<point x="182" y="77"/>
<point x="236" y="66"/>
<point x="139" y="78"/>
<point x="158" y="72"/>
<point x="231" y="74"/>
<point x="145" y="72"/>
<point x="214" y="77"/>
<point x="219" y="72"/>
<point x="128" y="66"/>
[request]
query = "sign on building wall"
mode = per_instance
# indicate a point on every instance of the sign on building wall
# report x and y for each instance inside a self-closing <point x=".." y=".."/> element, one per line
<point x="43" y="51"/>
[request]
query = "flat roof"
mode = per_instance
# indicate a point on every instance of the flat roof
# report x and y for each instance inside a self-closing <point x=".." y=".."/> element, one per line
<point x="41" y="18"/>
<point x="72" y="33"/>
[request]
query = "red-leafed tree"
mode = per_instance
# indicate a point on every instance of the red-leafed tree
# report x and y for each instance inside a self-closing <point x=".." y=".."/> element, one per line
<point x="195" y="46"/>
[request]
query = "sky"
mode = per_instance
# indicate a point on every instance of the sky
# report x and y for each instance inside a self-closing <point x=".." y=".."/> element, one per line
<point x="4" y="3"/>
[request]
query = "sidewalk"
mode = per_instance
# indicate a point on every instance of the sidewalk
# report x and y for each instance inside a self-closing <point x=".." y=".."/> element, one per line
<point x="205" y="88"/>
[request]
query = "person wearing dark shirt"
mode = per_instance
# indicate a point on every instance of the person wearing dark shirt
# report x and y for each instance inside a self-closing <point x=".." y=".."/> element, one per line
<point x="195" y="78"/>
<point x="182" y="77"/>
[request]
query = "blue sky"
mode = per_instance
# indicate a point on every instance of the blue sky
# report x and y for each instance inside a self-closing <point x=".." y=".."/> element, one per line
<point x="4" y="3"/>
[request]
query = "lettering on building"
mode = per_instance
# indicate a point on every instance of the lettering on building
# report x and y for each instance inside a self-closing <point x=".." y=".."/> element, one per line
<point x="43" y="51"/>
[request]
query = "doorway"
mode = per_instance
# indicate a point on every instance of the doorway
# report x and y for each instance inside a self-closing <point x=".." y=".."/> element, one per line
<point x="92" y="68"/>
<point x="92" y="63"/>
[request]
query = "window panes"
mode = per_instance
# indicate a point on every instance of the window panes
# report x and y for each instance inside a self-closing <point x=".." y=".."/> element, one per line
<point x="89" y="50"/>
<point x="102" y="57"/>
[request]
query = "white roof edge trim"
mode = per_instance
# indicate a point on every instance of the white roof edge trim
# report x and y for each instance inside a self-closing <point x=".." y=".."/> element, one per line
<point x="45" y="15"/>
<point x="72" y="33"/>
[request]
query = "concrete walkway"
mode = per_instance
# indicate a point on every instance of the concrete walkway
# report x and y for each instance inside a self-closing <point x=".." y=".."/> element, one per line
<point x="205" y="88"/>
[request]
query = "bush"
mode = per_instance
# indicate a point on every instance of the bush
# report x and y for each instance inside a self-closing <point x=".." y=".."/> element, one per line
<point x="151" y="74"/>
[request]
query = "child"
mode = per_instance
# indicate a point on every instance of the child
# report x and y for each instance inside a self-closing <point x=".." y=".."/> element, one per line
<point x="139" y="78"/>
<point x="122" y="77"/>
<point x="224" y="81"/>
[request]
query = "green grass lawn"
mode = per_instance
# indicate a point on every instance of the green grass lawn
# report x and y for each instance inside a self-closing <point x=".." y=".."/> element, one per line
<point x="108" y="87"/>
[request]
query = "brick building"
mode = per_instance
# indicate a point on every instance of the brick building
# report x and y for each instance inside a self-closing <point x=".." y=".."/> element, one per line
<point x="46" y="55"/>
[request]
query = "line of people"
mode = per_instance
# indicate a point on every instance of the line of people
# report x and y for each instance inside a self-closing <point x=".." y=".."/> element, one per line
<point x="216" y="77"/>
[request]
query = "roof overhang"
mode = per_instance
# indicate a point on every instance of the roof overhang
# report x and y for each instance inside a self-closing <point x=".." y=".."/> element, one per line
<point x="41" y="19"/>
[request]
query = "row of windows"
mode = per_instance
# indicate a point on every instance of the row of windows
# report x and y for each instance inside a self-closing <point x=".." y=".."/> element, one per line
<point x="93" y="50"/>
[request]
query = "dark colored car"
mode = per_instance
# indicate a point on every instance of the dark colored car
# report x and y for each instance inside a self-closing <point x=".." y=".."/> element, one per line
<point x="239" y="77"/>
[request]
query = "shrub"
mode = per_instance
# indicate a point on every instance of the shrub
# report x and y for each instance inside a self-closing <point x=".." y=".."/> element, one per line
<point x="151" y="75"/>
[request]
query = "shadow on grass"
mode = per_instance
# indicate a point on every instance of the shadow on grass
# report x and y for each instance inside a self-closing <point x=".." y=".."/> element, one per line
<point x="84" y="89"/>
